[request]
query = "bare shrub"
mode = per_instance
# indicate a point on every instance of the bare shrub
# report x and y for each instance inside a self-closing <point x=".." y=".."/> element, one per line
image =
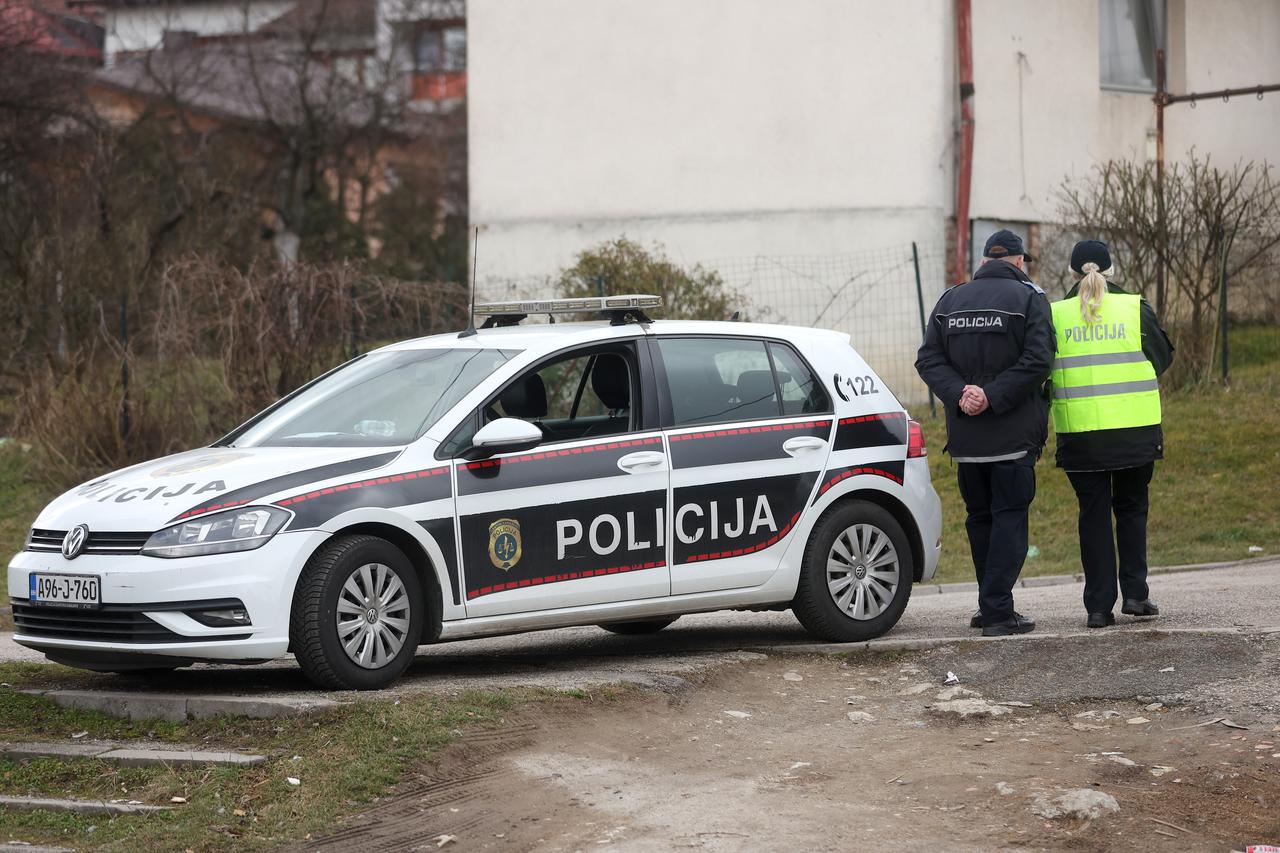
<point x="1213" y="218"/>
<point x="218" y="344"/>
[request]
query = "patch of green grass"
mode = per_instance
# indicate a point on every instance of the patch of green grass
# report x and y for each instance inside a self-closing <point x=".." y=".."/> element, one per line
<point x="21" y="498"/>
<point x="344" y="758"/>
<point x="1214" y="494"/>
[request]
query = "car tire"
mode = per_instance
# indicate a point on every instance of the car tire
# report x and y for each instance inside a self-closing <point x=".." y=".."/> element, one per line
<point x="338" y="646"/>
<point x="870" y="542"/>
<point x="645" y="626"/>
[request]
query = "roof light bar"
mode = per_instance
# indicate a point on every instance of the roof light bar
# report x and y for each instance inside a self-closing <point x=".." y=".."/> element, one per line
<point x="570" y="306"/>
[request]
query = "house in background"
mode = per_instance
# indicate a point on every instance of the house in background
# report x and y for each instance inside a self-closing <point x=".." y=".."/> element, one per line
<point x="423" y="43"/>
<point x="801" y="148"/>
<point x="427" y="41"/>
<point x="136" y="26"/>
<point x="55" y="29"/>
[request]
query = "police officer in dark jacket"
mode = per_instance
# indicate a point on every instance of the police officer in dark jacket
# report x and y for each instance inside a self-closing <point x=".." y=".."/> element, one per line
<point x="987" y="351"/>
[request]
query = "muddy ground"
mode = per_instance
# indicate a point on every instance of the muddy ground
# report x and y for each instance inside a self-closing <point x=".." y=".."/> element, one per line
<point x="762" y="754"/>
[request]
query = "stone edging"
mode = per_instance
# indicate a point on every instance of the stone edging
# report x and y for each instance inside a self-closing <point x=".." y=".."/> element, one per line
<point x="1063" y="580"/>
<point x="891" y="645"/>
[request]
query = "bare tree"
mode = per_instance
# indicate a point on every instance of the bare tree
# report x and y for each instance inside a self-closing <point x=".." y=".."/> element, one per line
<point x="1217" y="221"/>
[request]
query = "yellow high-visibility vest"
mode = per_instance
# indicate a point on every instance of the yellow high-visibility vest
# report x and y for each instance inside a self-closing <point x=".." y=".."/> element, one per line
<point x="1101" y="379"/>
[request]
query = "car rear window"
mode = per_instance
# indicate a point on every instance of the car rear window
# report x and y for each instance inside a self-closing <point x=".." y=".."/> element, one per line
<point x="714" y="380"/>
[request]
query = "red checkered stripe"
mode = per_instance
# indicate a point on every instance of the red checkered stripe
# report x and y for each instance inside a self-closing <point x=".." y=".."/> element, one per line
<point x="364" y="484"/>
<point x="565" y="576"/>
<point x="556" y="454"/>
<point x="853" y="472"/>
<point x="201" y="510"/>
<point x="862" y="419"/>
<point x="748" y="549"/>
<point x="724" y="433"/>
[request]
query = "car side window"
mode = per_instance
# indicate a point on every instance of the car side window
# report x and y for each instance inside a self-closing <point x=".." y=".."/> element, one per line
<point x="802" y="393"/>
<point x="719" y="379"/>
<point x="582" y="394"/>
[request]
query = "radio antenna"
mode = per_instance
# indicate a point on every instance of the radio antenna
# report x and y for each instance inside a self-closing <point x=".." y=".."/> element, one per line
<point x="471" y="310"/>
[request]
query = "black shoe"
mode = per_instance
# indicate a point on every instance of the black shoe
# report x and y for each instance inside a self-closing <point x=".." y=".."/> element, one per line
<point x="1101" y="620"/>
<point x="1140" y="608"/>
<point x="975" y="621"/>
<point x="1019" y="624"/>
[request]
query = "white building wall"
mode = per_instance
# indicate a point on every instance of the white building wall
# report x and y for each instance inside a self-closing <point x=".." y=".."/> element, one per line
<point x="1062" y="122"/>
<point x="720" y="127"/>
<point x="724" y="129"/>
<point x="138" y="28"/>
<point x="1224" y="45"/>
<point x="738" y="129"/>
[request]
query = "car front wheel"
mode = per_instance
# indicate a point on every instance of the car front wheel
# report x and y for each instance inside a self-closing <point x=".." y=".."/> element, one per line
<point x="857" y="574"/>
<point x="357" y="614"/>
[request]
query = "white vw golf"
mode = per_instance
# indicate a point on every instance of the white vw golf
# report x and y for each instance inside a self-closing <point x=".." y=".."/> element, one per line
<point x="619" y="472"/>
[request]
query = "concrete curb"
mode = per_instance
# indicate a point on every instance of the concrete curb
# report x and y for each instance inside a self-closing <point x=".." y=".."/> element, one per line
<point x="27" y="804"/>
<point x="126" y="755"/>
<point x="179" y="708"/>
<point x="1065" y="580"/>
<point x="938" y="642"/>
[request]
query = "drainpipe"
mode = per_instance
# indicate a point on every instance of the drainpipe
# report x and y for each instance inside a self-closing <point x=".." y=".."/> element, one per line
<point x="959" y="267"/>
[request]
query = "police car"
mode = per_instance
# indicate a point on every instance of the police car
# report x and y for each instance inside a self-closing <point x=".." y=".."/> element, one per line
<point x="619" y="473"/>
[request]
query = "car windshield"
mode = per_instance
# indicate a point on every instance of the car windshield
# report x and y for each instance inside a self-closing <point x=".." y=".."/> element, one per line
<point x="383" y="399"/>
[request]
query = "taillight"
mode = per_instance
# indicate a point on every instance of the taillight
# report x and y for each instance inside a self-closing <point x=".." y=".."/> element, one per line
<point x="915" y="440"/>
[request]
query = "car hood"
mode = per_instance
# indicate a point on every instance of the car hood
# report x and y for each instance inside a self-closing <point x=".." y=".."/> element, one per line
<point x="152" y="495"/>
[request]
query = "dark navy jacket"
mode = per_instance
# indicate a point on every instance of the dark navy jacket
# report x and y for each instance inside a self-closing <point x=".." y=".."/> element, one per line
<point x="996" y="332"/>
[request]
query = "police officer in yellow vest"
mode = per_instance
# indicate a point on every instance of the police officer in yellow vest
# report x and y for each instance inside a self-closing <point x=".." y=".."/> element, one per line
<point x="1106" y="412"/>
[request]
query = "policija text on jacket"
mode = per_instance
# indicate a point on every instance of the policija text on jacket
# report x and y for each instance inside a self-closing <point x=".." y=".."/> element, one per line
<point x="1019" y="347"/>
<point x="995" y="332"/>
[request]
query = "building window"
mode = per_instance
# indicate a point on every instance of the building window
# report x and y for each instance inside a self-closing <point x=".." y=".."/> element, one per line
<point x="1129" y="34"/>
<point x="439" y="50"/>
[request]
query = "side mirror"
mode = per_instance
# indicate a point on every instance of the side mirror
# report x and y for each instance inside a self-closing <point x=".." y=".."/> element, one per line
<point x="505" y="435"/>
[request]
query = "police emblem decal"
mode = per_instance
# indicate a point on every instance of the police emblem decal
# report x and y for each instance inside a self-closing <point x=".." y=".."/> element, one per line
<point x="504" y="543"/>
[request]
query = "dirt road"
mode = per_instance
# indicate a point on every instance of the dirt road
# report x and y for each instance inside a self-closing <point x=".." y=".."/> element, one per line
<point x="763" y="753"/>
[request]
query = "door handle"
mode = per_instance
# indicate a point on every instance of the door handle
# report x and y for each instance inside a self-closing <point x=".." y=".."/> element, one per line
<point x="634" y="463"/>
<point x="803" y="444"/>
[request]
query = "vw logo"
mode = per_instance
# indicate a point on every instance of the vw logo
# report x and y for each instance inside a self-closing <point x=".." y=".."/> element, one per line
<point x="73" y="543"/>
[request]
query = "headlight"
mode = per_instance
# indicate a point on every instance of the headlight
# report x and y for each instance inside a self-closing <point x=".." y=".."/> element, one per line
<point x="222" y="533"/>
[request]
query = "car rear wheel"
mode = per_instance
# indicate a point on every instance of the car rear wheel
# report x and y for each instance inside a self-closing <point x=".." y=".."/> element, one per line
<point x="857" y="574"/>
<point x="646" y="626"/>
<point x="357" y="614"/>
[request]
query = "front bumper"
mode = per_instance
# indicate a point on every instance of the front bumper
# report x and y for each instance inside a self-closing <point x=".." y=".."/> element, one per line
<point x="263" y="580"/>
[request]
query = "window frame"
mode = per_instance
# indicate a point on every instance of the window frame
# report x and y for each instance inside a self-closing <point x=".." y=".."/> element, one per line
<point x="662" y="380"/>
<point x="1136" y="88"/>
<point x="435" y="29"/>
<point x="639" y="360"/>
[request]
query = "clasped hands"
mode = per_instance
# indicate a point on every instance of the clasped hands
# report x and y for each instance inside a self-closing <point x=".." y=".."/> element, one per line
<point x="973" y="400"/>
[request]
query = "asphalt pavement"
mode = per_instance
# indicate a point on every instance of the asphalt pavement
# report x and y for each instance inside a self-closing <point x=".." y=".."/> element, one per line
<point x="1244" y="597"/>
<point x="1241" y="598"/>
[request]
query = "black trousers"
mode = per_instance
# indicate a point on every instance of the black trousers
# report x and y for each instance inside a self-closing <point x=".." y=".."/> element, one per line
<point x="1102" y="493"/>
<point x="997" y="496"/>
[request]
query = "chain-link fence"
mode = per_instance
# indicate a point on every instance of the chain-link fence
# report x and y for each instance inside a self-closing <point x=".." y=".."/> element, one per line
<point x="877" y="296"/>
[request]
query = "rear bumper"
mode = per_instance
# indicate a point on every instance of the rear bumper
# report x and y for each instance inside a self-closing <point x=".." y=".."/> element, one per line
<point x="147" y="603"/>
<point x="927" y="508"/>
